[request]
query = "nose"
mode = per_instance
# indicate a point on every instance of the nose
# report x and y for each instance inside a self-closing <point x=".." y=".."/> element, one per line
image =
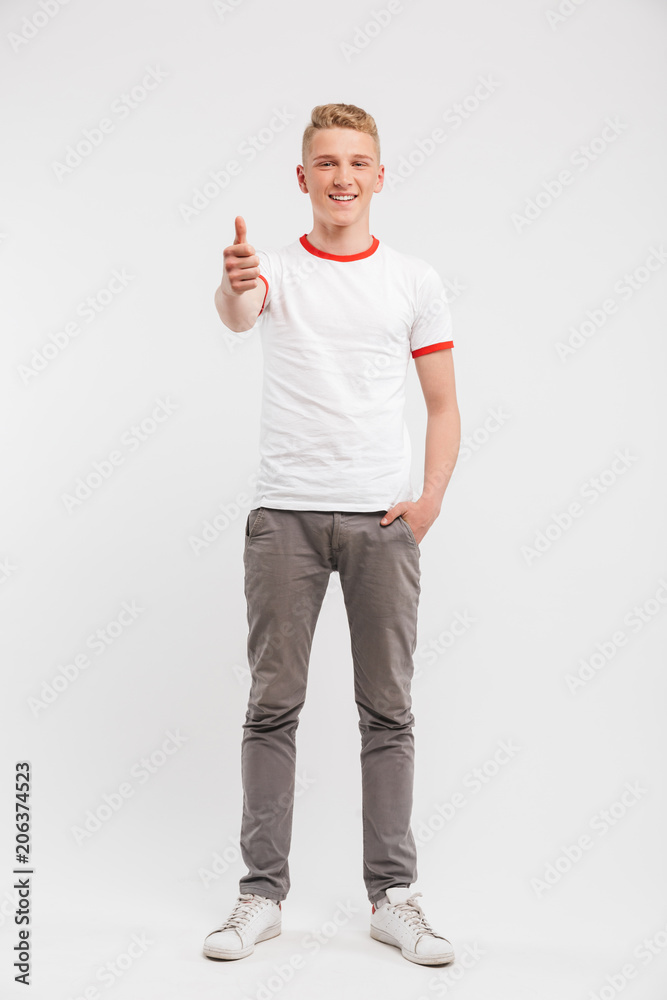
<point x="342" y="175"/>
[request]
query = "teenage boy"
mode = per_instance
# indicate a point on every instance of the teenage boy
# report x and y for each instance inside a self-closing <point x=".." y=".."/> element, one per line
<point x="341" y="316"/>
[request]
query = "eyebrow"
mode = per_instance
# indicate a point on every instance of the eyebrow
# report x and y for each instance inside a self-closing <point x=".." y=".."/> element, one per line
<point x="354" y="156"/>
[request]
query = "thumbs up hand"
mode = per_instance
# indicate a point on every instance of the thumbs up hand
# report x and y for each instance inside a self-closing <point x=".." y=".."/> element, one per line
<point x="241" y="263"/>
<point x="240" y="229"/>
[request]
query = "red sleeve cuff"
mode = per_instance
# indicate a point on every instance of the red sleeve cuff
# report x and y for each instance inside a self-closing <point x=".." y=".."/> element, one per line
<point x="432" y="347"/>
<point x="265" y="294"/>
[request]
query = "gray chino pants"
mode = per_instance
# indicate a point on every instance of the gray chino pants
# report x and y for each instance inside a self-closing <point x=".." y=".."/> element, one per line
<point x="288" y="558"/>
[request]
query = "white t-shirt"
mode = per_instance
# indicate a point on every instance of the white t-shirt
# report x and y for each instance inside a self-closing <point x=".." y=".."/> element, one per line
<point x="337" y="336"/>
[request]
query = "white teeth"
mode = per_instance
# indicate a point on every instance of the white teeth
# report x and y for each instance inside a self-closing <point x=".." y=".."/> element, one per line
<point x="343" y="197"/>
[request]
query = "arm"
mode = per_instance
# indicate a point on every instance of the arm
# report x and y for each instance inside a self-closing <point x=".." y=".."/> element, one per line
<point x="240" y="313"/>
<point x="443" y="428"/>
<point x="240" y="295"/>
<point x="443" y="437"/>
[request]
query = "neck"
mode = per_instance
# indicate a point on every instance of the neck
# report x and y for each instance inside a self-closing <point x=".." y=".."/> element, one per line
<point x="341" y="240"/>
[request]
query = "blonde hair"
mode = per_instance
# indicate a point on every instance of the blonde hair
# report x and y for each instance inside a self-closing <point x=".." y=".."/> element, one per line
<point x="338" y="116"/>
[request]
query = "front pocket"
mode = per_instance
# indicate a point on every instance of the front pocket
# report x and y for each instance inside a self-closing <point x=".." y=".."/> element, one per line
<point x="254" y="521"/>
<point x="410" y="532"/>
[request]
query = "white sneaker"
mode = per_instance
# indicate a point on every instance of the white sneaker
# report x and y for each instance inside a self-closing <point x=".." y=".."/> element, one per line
<point x="254" y="918"/>
<point x="401" y="922"/>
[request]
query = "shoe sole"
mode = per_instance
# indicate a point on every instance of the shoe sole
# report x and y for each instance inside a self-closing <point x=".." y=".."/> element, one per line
<point x="443" y="959"/>
<point x="270" y="932"/>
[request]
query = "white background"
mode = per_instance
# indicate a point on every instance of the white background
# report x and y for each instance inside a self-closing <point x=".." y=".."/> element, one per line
<point x="179" y="666"/>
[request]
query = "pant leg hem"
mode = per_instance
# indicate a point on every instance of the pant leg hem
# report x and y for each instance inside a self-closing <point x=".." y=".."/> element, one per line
<point x="261" y="892"/>
<point x="382" y="895"/>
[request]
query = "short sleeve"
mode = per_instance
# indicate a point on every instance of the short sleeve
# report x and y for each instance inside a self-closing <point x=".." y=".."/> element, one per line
<point x="432" y="326"/>
<point x="265" y="275"/>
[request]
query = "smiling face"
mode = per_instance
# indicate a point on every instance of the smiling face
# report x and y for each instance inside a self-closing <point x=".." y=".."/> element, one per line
<point x="341" y="175"/>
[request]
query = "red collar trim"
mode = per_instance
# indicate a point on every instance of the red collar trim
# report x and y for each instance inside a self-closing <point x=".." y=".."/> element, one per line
<point x="307" y="245"/>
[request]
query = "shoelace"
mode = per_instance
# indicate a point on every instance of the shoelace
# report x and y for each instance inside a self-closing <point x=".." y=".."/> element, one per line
<point x="246" y="906"/>
<point x="413" y="915"/>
